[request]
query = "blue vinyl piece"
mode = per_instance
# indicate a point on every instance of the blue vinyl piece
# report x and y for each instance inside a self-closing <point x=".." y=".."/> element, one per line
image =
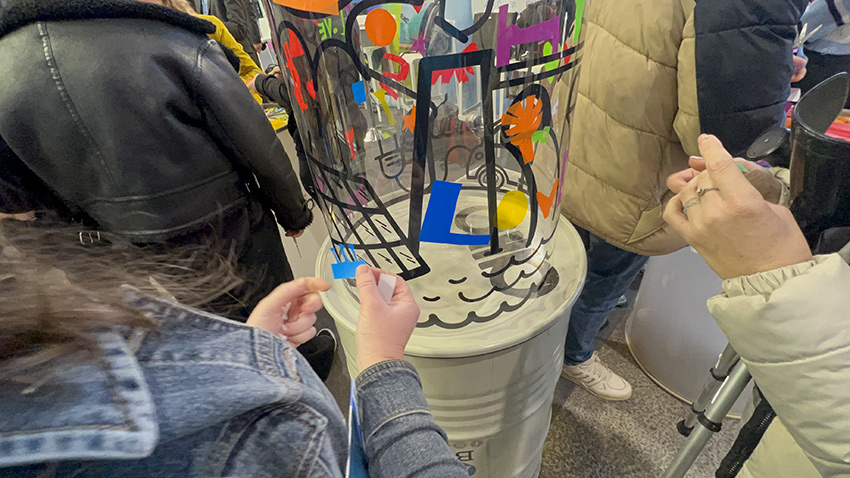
<point x="436" y="227"/>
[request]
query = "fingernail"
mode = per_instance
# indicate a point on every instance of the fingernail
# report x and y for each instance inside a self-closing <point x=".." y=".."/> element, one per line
<point x="702" y="138"/>
<point x="696" y="157"/>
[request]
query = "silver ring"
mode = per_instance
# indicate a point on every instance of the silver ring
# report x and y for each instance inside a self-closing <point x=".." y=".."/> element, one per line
<point x="701" y="191"/>
<point x="689" y="204"/>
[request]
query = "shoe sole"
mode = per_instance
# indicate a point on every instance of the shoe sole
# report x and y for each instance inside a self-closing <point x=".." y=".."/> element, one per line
<point x="592" y="392"/>
<point x="331" y="335"/>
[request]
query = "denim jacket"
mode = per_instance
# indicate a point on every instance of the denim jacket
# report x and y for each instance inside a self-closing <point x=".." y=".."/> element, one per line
<point x="204" y="396"/>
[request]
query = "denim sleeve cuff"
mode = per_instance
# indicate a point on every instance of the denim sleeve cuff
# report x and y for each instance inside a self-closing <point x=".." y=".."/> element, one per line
<point x="385" y="391"/>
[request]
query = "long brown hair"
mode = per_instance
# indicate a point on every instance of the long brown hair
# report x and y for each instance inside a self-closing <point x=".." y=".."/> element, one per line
<point x="181" y="5"/>
<point x="59" y="286"/>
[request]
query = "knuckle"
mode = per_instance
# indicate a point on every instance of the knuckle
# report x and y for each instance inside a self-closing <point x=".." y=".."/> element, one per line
<point x="719" y="166"/>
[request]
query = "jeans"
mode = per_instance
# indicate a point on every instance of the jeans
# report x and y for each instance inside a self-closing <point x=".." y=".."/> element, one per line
<point x="610" y="271"/>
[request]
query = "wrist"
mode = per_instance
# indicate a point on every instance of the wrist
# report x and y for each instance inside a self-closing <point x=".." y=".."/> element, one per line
<point x="368" y="358"/>
<point x="765" y="283"/>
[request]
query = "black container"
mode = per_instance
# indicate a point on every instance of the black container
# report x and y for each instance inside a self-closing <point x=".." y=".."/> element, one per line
<point x="820" y="165"/>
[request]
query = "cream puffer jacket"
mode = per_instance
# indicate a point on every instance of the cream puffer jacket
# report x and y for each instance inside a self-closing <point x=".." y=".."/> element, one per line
<point x="636" y="120"/>
<point x="791" y="327"/>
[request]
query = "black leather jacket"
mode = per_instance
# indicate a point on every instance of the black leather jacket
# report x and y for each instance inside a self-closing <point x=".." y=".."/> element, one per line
<point x="134" y="118"/>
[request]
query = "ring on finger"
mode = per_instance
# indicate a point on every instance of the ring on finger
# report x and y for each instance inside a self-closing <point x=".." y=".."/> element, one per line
<point x="689" y="204"/>
<point x="701" y="191"/>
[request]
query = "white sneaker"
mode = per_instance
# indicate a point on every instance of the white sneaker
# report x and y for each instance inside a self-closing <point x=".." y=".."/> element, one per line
<point x="598" y="379"/>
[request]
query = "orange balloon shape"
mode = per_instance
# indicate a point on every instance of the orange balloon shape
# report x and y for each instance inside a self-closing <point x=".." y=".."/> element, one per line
<point x="381" y="27"/>
<point x="329" y="7"/>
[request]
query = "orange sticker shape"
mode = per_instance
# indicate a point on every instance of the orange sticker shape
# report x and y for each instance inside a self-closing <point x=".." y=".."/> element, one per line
<point x="381" y="27"/>
<point x="522" y="120"/>
<point x="545" y="202"/>
<point x="329" y="7"/>
<point x="409" y="120"/>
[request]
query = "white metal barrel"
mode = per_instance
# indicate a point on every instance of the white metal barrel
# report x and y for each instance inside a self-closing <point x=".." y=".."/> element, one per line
<point x="489" y="385"/>
<point x="670" y="333"/>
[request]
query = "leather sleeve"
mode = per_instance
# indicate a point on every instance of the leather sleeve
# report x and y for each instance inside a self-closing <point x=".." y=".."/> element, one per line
<point x="16" y="195"/>
<point x="275" y="89"/>
<point x="243" y="132"/>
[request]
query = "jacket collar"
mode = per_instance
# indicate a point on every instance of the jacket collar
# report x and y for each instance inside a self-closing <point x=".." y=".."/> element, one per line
<point x="98" y="410"/>
<point x="19" y="13"/>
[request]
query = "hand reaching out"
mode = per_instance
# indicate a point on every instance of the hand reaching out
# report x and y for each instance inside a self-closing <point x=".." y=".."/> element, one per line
<point x="252" y="85"/>
<point x="799" y="69"/>
<point x="728" y="221"/>
<point x="763" y="180"/>
<point x="290" y="310"/>
<point x="383" y="329"/>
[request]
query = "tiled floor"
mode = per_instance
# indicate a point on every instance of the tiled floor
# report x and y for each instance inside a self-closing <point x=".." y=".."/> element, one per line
<point x="594" y="438"/>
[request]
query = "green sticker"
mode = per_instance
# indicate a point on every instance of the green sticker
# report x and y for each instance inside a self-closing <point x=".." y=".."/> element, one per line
<point x="579" y="19"/>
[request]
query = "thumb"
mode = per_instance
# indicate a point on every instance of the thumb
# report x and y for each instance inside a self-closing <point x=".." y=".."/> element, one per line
<point x="722" y="169"/>
<point x="366" y="284"/>
<point x="289" y="291"/>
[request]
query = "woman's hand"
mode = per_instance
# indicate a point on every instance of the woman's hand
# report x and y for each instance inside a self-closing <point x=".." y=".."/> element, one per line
<point x="383" y="328"/>
<point x="290" y="310"/>
<point x="252" y="85"/>
<point x="730" y="224"/>
<point x="763" y="180"/>
<point x="799" y="69"/>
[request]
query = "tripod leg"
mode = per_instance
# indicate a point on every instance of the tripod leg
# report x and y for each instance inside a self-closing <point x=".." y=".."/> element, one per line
<point x="719" y="372"/>
<point x="709" y="421"/>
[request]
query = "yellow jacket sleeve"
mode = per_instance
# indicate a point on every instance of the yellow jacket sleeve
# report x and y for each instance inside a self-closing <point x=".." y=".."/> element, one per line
<point x="247" y="68"/>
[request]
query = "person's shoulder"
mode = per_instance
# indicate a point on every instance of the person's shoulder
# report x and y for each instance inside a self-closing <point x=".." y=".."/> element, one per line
<point x="219" y="25"/>
<point x="187" y="335"/>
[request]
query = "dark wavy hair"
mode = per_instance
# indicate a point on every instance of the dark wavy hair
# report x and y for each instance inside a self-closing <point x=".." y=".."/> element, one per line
<point x="59" y="286"/>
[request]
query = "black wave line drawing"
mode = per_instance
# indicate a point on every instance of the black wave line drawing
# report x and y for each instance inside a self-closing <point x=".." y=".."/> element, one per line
<point x="472" y="317"/>
<point x="431" y="299"/>
<point x="513" y="260"/>
<point x="457" y="281"/>
<point x="522" y="275"/>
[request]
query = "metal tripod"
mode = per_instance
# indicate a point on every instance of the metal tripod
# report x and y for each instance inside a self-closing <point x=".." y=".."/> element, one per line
<point x="729" y="377"/>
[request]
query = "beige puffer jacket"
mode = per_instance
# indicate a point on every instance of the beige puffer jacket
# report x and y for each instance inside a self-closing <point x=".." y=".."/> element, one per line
<point x="791" y="327"/>
<point x="636" y="120"/>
